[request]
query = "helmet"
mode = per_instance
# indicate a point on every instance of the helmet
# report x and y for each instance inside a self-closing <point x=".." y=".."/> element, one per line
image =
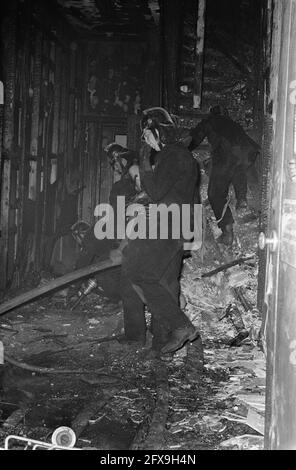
<point x="79" y="230"/>
<point x="161" y="124"/>
<point x="156" y="117"/>
<point x="116" y="153"/>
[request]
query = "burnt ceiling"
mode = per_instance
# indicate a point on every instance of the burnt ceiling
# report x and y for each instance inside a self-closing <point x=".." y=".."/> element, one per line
<point x="110" y="17"/>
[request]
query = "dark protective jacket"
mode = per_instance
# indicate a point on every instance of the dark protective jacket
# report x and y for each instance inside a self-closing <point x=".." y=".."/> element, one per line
<point x="154" y="265"/>
<point x="174" y="178"/>
<point x="230" y="143"/>
<point x="99" y="250"/>
<point x="123" y="187"/>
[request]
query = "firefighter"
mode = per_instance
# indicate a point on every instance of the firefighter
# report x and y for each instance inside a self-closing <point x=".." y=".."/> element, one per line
<point x="233" y="152"/>
<point x="151" y="267"/>
<point x="94" y="249"/>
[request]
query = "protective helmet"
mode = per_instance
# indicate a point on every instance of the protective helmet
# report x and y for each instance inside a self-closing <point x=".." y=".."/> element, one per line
<point x="79" y="230"/>
<point x="161" y="124"/>
<point x="116" y="153"/>
<point x="156" y="117"/>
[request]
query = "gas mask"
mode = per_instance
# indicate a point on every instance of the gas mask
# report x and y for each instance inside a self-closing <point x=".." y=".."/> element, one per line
<point x="120" y="158"/>
<point x="118" y="164"/>
<point x="151" y="138"/>
<point x="79" y="230"/>
<point x="155" y="125"/>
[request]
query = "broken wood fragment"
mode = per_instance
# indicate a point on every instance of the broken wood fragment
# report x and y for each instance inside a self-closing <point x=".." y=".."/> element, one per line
<point x="199" y="55"/>
<point x="233" y="313"/>
<point x="238" y="339"/>
<point x="48" y="370"/>
<point x="240" y="296"/>
<point x="57" y="283"/>
<point x="88" y="412"/>
<point x="224" y="267"/>
<point x="15" y="418"/>
<point x="255" y="420"/>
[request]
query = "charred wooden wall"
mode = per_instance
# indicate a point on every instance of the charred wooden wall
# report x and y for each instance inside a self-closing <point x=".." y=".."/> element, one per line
<point x="64" y="99"/>
<point x="41" y="137"/>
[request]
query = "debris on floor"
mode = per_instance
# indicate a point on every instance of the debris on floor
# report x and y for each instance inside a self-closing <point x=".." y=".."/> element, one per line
<point x="70" y="368"/>
<point x="244" y="442"/>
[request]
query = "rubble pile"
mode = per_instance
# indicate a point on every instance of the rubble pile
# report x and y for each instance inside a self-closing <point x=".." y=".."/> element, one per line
<point x="69" y="367"/>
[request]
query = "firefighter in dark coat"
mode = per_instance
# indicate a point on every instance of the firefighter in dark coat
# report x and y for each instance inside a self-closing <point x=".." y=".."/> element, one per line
<point x="96" y="250"/>
<point x="151" y="267"/>
<point x="233" y="151"/>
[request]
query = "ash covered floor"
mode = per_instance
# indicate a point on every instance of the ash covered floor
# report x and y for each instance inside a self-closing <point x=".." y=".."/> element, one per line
<point x="112" y="395"/>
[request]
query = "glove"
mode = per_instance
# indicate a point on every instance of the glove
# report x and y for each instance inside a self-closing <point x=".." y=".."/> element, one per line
<point x="134" y="172"/>
<point x="116" y="255"/>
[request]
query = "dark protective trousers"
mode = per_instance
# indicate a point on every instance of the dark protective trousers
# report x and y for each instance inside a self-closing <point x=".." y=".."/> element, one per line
<point x="152" y="267"/>
<point x="223" y="173"/>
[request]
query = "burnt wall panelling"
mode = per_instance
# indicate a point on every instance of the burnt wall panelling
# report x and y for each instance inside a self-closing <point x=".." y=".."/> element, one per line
<point x="41" y="141"/>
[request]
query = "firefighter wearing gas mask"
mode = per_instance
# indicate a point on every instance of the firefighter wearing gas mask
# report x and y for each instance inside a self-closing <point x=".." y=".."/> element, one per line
<point x="96" y="250"/>
<point x="151" y="267"/>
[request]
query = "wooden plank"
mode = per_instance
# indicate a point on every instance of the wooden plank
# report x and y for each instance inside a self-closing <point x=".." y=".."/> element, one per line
<point x="57" y="119"/>
<point x="89" y="411"/>
<point x="48" y="103"/>
<point x="5" y="193"/>
<point x="64" y="107"/>
<point x="85" y="165"/>
<point x="12" y="220"/>
<point x="171" y="19"/>
<point x="22" y="188"/>
<point x="36" y="95"/>
<point x="271" y="61"/>
<point x="9" y="53"/>
<point x="70" y="132"/>
<point x="21" y="172"/>
<point x="35" y="142"/>
<point x="57" y="283"/>
<point x="57" y="98"/>
<point x="281" y="269"/>
<point x="199" y="55"/>
<point x="253" y="400"/>
<point x="91" y="177"/>
<point x="71" y="104"/>
<point x="255" y="420"/>
<point x="2" y="245"/>
<point x="83" y="156"/>
<point x="15" y="418"/>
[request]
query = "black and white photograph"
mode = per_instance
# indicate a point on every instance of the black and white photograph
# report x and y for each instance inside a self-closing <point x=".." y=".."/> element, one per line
<point x="148" y="229"/>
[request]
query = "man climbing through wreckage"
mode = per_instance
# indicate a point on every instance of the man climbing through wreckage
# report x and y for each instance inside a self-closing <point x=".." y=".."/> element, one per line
<point x="151" y="267"/>
<point x="233" y="152"/>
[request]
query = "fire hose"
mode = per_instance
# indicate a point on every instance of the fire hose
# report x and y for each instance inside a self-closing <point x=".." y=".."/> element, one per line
<point x="57" y="283"/>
